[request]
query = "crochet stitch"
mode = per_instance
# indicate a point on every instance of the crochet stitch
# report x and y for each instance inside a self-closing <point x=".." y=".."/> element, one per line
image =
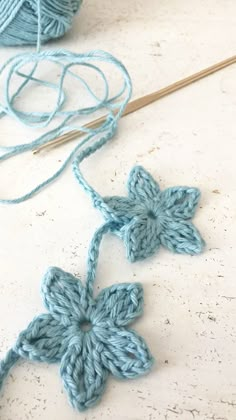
<point x="148" y="217"/>
<point x="87" y="335"/>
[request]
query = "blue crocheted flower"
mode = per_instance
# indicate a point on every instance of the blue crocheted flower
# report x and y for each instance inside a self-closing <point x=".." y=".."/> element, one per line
<point x="87" y="336"/>
<point x="148" y="217"/>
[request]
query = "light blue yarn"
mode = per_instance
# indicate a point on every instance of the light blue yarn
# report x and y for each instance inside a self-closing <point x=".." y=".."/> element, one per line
<point x="66" y="60"/>
<point x="144" y="220"/>
<point x="86" y="356"/>
<point x="148" y="218"/>
<point x="112" y="105"/>
<point x="19" y="20"/>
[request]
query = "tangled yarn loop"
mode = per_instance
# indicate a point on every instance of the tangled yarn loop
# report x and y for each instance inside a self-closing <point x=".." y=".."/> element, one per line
<point x="46" y="19"/>
<point x="19" y="20"/>
<point x="69" y="65"/>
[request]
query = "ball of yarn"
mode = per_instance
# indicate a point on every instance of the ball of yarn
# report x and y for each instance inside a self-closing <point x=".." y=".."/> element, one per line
<point x="19" y="20"/>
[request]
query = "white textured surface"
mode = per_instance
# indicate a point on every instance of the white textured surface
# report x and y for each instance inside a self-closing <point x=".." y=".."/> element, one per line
<point x="187" y="138"/>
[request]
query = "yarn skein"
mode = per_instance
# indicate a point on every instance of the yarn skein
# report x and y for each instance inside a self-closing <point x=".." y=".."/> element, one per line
<point x="19" y="20"/>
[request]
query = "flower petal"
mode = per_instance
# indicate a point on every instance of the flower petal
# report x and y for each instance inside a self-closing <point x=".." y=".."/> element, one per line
<point x="44" y="340"/>
<point x="141" y="238"/>
<point x="180" y="202"/>
<point x="121" y="207"/>
<point x="83" y="374"/>
<point x="182" y="237"/>
<point x="125" y="354"/>
<point x="64" y="296"/>
<point x="120" y="303"/>
<point x="142" y="186"/>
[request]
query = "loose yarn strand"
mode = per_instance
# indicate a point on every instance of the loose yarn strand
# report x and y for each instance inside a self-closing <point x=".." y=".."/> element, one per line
<point x="93" y="254"/>
<point x="115" y="104"/>
<point x="6" y="364"/>
<point x="39" y="26"/>
<point x="65" y="59"/>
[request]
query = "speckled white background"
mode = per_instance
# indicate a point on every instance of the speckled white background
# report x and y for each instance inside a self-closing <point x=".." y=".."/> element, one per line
<point x="187" y="138"/>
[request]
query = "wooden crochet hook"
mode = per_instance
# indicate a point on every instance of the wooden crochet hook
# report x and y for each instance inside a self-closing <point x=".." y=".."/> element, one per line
<point x="139" y="103"/>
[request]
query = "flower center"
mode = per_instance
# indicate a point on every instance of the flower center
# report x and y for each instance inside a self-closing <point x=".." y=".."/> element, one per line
<point x="85" y="326"/>
<point x="151" y="214"/>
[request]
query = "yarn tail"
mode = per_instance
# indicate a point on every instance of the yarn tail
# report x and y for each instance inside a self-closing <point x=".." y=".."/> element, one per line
<point x="6" y="364"/>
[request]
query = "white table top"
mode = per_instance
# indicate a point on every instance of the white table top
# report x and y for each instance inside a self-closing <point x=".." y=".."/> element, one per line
<point x="187" y="138"/>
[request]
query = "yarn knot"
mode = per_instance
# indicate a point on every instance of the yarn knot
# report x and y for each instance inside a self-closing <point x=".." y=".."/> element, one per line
<point x="148" y="217"/>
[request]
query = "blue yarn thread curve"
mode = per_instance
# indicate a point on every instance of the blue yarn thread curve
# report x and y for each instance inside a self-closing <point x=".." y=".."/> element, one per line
<point x="113" y="105"/>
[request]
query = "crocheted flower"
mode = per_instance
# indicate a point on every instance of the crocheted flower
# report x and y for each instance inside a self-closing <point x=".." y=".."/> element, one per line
<point x="148" y="217"/>
<point x="87" y="336"/>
